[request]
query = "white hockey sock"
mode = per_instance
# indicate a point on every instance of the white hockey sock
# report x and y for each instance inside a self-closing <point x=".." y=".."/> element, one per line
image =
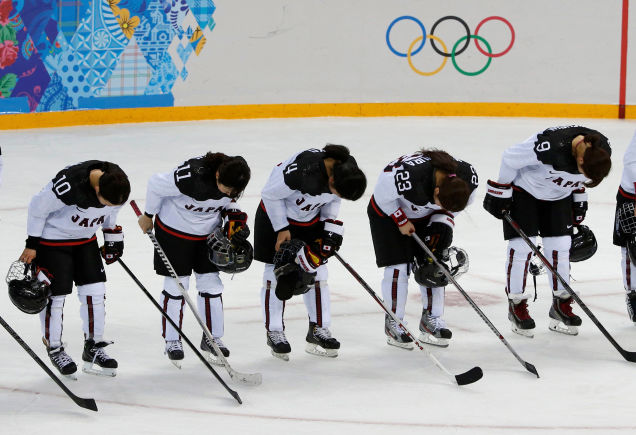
<point x="395" y="287"/>
<point x="629" y="271"/>
<point x="433" y="300"/>
<point x="517" y="262"/>
<point x="51" y="321"/>
<point x="172" y="303"/>
<point x="273" y="308"/>
<point x="210" y="301"/>
<point x="557" y="252"/>
<point x="211" y="311"/>
<point x="317" y="301"/>
<point x="92" y="309"/>
<point x="93" y="314"/>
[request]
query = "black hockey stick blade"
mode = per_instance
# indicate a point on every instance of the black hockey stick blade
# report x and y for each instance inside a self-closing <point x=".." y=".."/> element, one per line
<point x="85" y="403"/>
<point x="629" y="356"/>
<point x="531" y="369"/>
<point x="472" y="375"/>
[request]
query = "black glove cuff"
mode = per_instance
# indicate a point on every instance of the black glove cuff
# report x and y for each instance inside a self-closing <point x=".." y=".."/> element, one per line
<point x="149" y="214"/>
<point x="32" y="242"/>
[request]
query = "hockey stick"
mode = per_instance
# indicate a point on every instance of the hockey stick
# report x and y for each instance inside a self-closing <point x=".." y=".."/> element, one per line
<point x="84" y="403"/>
<point x="472" y="303"/>
<point x="472" y="375"/>
<point x="174" y="325"/>
<point x="245" y="378"/>
<point x="629" y="356"/>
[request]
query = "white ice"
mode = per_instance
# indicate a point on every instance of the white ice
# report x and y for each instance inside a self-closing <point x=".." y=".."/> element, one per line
<point x="370" y="388"/>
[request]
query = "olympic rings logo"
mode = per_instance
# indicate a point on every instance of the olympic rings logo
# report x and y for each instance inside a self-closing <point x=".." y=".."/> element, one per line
<point x="412" y="51"/>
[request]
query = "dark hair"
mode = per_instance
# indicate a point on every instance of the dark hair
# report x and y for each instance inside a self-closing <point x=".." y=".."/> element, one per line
<point x="233" y="171"/>
<point x="348" y="179"/>
<point x="596" y="160"/>
<point x="114" y="186"/>
<point x="453" y="191"/>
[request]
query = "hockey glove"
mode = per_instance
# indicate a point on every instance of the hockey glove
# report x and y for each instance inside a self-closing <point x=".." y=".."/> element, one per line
<point x="579" y="206"/>
<point x="235" y="220"/>
<point x="113" y="244"/>
<point x="331" y="237"/>
<point x="438" y="237"/>
<point x="308" y="260"/>
<point x="498" y="199"/>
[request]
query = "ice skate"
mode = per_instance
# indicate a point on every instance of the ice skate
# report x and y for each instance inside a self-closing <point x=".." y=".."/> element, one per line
<point x="320" y="342"/>
<point x="520" y="320"/>
<point x="630" y="299"/>
<point x="96" y="361"/>
<point x="433" y="330"/>
<point x="395" y="336"/>
<point x="174" y="350"/>
<point x="279" y="344"/>
<point x="63" y="362"/>
<point x="209" y="352"/>
<point x="561" y="317"/>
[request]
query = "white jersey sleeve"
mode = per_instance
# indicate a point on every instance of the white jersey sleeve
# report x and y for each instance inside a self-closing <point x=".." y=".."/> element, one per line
<point x="41" y="206"/>
<point x="385" y="193"/>
<point x="628" y="179"/>
<point x="160" y="186"/>
<point x="516" y="157"/>
<point x="330" y="210"/>
<point x="274" y="194"/>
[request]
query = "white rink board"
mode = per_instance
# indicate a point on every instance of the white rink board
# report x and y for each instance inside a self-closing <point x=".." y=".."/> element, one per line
<point x="371" y="388"/>
<point x="330" y="51"/>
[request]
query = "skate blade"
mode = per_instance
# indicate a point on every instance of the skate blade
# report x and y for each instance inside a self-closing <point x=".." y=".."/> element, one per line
<point x="92" y="369"/>
<point x="315" y="349"/>
<point x="558" y="326"/>
<point x="211" y="358"/>
<point x="71" y="377"/>
<point x="523" y="332"/>
<point x="176" y="363"/>
<point x="393" y="342"/>
<point x="283" y="356"/>
<point x="429" y="339"/>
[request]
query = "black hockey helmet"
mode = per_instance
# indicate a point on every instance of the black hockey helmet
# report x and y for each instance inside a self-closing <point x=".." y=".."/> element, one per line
<point x="429" y="274"/>
<point x="583" y="244"/>
<point x="291" y="279"/>
<point x="26" y="292"/>
<point x="228" y="257"/>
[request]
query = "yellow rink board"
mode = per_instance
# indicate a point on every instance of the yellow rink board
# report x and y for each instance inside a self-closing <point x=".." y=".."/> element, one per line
<point x="195" y="113"/>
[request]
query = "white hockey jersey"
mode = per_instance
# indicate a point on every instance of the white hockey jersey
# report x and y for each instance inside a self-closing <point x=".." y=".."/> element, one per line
<point x="628" y="179"/>
<point x="67" y="208"/>
<point x="543" y="165"/>
<point x="188" y="199"/>
<point x="408" y="184"/>
<point x="298" y="190"/>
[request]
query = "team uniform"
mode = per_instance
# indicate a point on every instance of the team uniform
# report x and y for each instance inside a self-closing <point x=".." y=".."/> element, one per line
<point x="62" y="221"/>
<point x="187" y="207"/>
<point x="625" y="198"/>
<point x="297" y="198"/>
<point x="546" y="183"/>
<point x="405" y="190"/>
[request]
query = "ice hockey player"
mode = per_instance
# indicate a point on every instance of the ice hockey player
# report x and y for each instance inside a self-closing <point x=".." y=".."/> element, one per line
<point x="542" y="183"/>
<point x="418" y="193"/>
<point x="625" y="227"/>
<point x="62" y="221"/>
<point x="188" y="204"/>
<point x="301" y="200"/>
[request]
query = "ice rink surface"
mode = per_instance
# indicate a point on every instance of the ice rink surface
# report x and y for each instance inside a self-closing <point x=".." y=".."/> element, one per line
<point x="586" y="387"/>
